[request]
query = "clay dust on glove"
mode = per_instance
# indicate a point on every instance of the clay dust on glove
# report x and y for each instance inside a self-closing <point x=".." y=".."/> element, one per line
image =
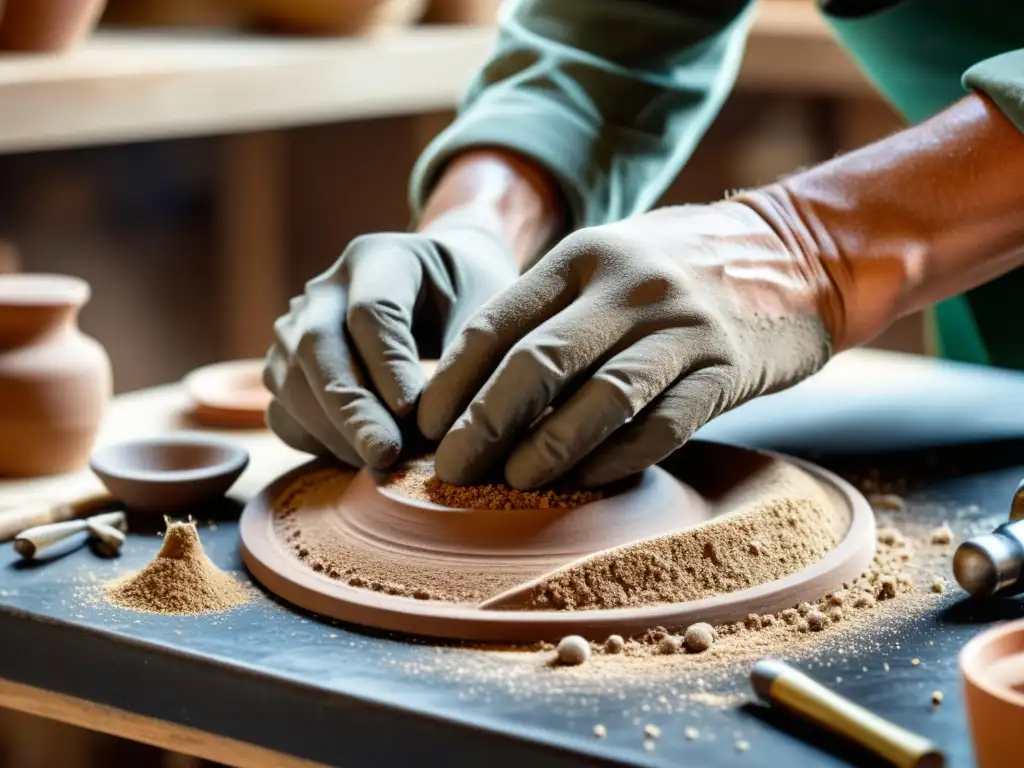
<point x="635" y="334"/>
<point x="344" y="365"/>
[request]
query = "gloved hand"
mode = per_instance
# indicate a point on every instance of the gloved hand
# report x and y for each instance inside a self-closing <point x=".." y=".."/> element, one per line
<point x="344" y="366"/>
<point x="637" y="333"/>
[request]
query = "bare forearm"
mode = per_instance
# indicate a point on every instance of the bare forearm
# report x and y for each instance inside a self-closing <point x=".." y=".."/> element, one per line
<point x="908" y="221"/>
<point x="504" y="189"/>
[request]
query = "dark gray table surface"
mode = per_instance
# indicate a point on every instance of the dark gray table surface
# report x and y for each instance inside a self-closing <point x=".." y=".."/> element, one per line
<point x="276" y="677"/>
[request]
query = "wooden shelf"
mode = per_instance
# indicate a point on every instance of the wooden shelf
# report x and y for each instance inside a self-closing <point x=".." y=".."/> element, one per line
<point x="127" y="86"/>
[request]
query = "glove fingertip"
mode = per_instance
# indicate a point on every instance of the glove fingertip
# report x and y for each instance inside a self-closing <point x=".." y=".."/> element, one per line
<point x="377" y="448"/>
<point x="431" y="416"/>
<point x="450" y="465"/>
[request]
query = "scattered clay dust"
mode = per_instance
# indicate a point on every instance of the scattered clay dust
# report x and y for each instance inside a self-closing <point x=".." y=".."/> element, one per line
<point x="417" y="480"/>
<point x="180" y="580"/>
<point x="711" y="559"/>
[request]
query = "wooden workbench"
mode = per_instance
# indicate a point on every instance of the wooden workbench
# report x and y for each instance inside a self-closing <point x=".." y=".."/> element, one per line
<point x="266" y="685"/>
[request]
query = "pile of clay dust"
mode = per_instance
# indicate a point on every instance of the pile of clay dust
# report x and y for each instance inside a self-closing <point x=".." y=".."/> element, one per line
<point x="181" y="580"/>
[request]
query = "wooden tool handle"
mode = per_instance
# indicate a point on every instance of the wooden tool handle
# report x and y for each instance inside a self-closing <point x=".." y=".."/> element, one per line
<point x="108" y="538"/>
<point x="29" y="543"/>
<point x="778" y="683"/>
<point x="14" y="520"/>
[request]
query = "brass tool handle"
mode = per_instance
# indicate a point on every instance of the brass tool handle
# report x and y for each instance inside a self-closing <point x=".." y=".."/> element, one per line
<point x="16" y="519"/>
<point x="778" y="683"/>
<point x="31" y="542"/>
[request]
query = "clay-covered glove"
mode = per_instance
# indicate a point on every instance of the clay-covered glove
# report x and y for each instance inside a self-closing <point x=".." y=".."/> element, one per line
<point x="344" y="367"/>
<point x="637" y="333"/>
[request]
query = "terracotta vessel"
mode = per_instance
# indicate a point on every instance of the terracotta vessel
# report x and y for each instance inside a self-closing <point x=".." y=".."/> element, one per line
<point x="54" y="380"/>
<point x="992" y="671"/>
<point x="53" y="25"/>
<point x="471" y="12"/>
<point x="337" y="17"/>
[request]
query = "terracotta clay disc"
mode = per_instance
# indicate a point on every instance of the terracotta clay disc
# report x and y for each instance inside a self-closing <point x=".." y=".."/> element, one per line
<point x="229" y="394"/>
<point x="504" y="547"/>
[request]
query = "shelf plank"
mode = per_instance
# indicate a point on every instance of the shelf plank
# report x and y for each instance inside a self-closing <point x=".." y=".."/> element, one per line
<point x="136" y="85"/>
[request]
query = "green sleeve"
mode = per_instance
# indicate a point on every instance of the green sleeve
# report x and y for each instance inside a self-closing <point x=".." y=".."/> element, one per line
<point x="610" y="96"/>
<point x="1001" y="78"/>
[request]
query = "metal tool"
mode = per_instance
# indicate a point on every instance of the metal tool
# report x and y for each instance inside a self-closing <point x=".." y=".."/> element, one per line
<point x="108" y="528"/>
<point x="778" y="683"/>
<point x="993" y="563"/>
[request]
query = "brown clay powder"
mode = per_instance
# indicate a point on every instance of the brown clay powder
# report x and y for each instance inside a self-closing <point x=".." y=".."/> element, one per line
<point x="711" y="559"/>
<point x="181" y="580"/>
<point x="417" y="480"/>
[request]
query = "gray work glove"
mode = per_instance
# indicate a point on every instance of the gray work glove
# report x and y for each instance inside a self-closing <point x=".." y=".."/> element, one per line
<point x="636" y="334"/>
<point x="344" y="366"/>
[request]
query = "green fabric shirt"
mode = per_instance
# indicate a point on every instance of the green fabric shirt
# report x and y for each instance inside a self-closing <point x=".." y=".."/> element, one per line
<point x="612" y="96"/>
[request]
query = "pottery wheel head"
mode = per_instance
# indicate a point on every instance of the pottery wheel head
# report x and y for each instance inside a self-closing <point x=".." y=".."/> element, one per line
<point x="368" y="520"/>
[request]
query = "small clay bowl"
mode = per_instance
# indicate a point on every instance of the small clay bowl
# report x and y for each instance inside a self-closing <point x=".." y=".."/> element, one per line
<point x="992" y="669"/>
<point x="168" y="475"/>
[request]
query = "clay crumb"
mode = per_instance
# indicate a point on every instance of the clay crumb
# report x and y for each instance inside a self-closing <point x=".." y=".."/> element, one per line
<point x="888" y="502"/>
<point x="699" y="637"/>
<point x="614" y="644"/>
<point x="864" y="600"/>
<point x="755" y="547"/>
<point x="816" y="621"/>
<point x="803" y="608"/>
<point x="670" y="644"/>
<point x="889" y="536"/>
<point x="691" y="733"/>
<point x="938" y="585"/>
<point x="835" y="614"/>
<point x="572" y="650"/>
<point x="886" y="588"/>
<point x="936" y="698"/>
<point x="652" y="731"/>
<point x="600" y="731"/>
<point x="942" y="535"/>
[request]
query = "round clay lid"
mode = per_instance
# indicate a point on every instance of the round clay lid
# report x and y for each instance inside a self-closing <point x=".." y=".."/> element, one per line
<point x="38" y="289"/>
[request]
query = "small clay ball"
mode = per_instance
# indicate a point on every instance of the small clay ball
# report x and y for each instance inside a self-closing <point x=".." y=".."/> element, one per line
<point x="938" y="585"/>
<point x="801" y="625"/>
<point x="816" y="620"/>
<point x="767" y="620"/>
<point x="790" y="615"/>
<point x="753" y="621"/>
<point x="886" y="588"/>
<point x="835" y="614"/>
<point x="803" y="608"/>
<point x="573" y="650"/>
<point x="669" y="645"/>
<point x="864" y="600"/>
<point x="699" y="637"/>
<point x="755" y="547"/>
<point x="887" y="501"/>
<point x="614" y="644"/>
<point x="836" y="598"/>
<point x="942" y="535"/>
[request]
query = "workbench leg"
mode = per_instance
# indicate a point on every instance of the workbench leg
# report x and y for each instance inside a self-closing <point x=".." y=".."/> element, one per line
<point x="252" y="215"/>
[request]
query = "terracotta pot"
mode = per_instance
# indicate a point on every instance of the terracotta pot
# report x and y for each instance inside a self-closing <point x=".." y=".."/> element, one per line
<point x="472" y="12"/>
<point x="337" y="17"/>
<point x="992" y="669"/>
<point x="54" y="380"/>
<point x="53" y="25"/>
